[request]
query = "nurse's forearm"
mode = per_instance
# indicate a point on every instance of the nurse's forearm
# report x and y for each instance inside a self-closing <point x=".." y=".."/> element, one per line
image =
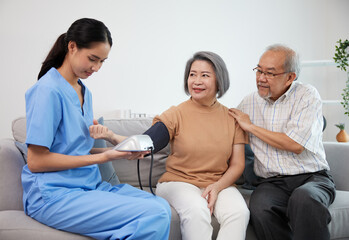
<point x="99" y="150"/>
<point x="40" y="159"/>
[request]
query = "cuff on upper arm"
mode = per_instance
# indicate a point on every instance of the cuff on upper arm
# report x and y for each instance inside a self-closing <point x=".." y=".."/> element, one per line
<point x="159" y="135"/>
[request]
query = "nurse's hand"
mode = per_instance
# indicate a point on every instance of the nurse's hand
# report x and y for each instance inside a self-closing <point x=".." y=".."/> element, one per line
<point x="113" y="155"/>
<point x="138" y="155"/>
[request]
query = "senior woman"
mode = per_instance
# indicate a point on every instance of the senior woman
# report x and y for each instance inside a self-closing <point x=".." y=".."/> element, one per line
<point x="207" y="154"/>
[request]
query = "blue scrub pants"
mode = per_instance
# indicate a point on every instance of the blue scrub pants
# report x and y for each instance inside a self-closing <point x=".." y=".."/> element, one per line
<point x="109" y="212"/>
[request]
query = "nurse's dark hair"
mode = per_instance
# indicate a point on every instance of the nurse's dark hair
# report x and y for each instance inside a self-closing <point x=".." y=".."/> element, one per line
<point x="83" y="32"/>
<point x="221" y="71"/>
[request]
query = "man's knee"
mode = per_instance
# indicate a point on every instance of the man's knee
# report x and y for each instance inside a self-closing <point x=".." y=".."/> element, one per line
<point x="260" y="208"/>
<point x="306" y="204"/>
<point x="305" y="198"/>
<point x="301" y="195"/>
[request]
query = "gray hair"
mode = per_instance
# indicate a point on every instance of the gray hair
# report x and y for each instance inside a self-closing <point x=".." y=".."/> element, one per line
<point x="221" y="71"/>
<point x="292" y="63"/>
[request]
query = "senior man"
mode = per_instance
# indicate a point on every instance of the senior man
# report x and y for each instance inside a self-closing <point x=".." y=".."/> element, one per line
<point x="284" y="121"/>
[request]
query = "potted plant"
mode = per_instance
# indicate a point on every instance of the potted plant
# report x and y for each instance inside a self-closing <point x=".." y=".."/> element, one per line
<point x="341" y="57"/>
<point x="342" y="136"/>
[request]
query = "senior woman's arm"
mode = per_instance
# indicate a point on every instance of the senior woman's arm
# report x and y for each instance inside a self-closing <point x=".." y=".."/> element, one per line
<point x="234" y="171"/>
<point x="158" y="134"/>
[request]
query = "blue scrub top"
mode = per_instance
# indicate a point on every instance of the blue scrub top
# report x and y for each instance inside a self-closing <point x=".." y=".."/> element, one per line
<point x="56" y="120"/>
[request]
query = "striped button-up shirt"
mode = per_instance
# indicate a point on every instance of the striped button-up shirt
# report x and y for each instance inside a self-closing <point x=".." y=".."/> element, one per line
<point x="298" y="114"/>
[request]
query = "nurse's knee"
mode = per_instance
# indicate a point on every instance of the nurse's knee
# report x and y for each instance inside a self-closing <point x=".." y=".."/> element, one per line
<point x="165" y="205"/>
<point x="160" y="215"/>
<point x="161" y="208"/>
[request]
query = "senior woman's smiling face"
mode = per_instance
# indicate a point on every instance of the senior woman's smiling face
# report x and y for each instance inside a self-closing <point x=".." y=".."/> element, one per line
<point x="202" y="83"/>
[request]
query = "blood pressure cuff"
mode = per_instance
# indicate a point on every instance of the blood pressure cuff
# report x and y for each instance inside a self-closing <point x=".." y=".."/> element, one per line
<point x="159" y="135"/>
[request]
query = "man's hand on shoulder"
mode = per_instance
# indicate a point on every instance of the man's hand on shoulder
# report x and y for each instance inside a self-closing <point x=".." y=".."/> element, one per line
<point x="276" y="139"/>
<point x="242" y="118"/>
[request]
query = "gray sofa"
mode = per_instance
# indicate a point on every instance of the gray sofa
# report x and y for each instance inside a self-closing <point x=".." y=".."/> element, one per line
<point x="14" y="224"/>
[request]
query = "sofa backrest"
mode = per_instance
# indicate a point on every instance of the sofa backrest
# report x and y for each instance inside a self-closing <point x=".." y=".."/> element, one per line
<point x="337" y="154"/>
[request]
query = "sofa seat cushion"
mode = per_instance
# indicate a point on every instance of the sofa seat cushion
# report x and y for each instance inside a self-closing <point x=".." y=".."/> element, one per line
<point x="16" y="225"/>
<point x="339" y="210"/>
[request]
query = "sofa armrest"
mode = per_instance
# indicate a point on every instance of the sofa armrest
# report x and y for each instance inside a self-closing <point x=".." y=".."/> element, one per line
<point x="337" y="155"/>
<point x="11" y="164"/>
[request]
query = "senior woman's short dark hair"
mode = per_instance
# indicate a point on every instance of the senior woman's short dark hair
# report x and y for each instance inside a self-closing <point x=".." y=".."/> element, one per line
<point x="221" y="71"/>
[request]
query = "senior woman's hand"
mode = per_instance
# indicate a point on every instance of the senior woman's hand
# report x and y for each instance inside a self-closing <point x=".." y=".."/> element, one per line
<point x="98" y="131"/>
<point x="211" y="195"/>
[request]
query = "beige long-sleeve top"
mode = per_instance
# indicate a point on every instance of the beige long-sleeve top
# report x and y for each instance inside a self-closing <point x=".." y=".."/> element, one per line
<point x="201" y="140"/>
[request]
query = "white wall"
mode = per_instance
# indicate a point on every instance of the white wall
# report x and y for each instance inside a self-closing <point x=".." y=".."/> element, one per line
<point x="153" y="40"/>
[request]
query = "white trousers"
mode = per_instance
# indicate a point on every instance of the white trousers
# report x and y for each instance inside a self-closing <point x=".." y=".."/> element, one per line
<point x="230" y="210"/>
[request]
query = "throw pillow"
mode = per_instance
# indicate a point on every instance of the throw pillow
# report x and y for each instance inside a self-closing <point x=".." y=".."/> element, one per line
<point x="106" y="169"/>
<point x="249" y="176"/>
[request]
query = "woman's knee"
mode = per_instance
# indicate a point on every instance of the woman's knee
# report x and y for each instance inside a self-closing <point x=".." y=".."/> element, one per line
<point x="236" y="210"/>
<point x="244" y="212"/>
<point x="195" y="213"/>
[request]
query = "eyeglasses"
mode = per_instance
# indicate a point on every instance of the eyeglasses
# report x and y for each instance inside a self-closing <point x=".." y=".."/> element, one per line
<point x="268" y="75"/>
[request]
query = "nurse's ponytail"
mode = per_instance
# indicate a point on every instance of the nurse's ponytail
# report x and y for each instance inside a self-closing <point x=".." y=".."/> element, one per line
<point x="83" y="32"/>
<point x="56" y="56"/>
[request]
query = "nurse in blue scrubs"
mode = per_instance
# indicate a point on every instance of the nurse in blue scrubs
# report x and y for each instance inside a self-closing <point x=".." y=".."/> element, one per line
<point x="62" y="185"/>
